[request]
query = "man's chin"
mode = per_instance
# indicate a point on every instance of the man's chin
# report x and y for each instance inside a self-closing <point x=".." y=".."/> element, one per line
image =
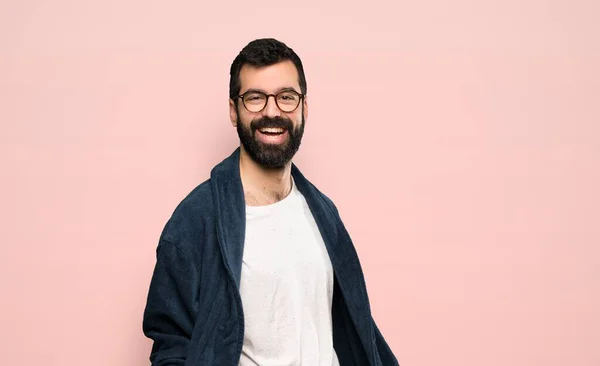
<point x="272" y="159"/>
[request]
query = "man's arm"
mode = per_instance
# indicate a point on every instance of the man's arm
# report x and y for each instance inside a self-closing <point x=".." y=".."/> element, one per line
<point x="171" y="306"/>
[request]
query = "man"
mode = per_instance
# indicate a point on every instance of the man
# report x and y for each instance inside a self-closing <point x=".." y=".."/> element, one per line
<point x="255" y="266"/>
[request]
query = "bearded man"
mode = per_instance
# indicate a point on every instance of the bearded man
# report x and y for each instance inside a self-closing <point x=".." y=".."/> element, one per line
<point x="255" y="266"/>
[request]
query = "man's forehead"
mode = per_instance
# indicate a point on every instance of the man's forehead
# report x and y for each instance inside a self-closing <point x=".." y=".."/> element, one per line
<point x="269" y="78"/>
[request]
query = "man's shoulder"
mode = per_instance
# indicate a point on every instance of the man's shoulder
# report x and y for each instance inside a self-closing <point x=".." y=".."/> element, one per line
<point x="321" y="194"/>
<point x="198" y="197"/>
<point x="192" y="214"/>
<point x="328" y="200"/>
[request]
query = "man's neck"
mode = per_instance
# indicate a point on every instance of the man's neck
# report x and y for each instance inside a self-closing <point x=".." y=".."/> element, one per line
<point x="263" y="186"/>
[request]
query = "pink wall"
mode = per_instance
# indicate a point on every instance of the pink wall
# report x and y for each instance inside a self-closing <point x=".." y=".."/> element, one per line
<point x="460" y="140"/>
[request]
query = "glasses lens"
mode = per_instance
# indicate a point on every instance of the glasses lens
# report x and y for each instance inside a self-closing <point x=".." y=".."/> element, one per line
<point x="288" y="100"/>
<point x="255" y="102"/>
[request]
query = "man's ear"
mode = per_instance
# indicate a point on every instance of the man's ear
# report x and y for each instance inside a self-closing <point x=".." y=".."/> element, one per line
<point x="233" y="117"/>
<point x="305" y="108"/>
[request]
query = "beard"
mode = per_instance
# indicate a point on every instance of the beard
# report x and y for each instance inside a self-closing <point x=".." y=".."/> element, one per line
<point x="271" y="156"/>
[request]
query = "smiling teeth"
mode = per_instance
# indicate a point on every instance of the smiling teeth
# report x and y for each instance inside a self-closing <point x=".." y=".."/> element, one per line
<point x="272" y="130"/>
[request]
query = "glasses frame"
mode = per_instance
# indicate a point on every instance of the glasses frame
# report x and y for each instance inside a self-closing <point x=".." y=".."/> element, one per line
<point x="267" y="96"/>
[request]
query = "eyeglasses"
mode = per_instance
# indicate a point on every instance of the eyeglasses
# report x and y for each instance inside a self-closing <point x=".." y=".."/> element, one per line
<point x="255" y="101"/>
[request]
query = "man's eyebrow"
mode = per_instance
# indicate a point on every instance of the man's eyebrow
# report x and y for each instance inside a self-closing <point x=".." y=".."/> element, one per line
<point x="288" y="88"/>
<point x="285" y="88"/>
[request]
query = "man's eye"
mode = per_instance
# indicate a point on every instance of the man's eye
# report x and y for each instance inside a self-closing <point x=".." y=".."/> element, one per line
<point x="254" y="97"/>
<point x="287" y="97"/>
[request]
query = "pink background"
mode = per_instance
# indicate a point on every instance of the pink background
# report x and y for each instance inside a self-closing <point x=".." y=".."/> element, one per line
<point x="460" y="140"/>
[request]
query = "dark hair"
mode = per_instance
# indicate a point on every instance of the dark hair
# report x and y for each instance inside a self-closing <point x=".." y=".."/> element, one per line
<point x="263" y="52"/>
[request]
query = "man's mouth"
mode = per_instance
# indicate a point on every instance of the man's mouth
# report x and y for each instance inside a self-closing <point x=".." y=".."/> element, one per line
<point x="272" y="135"/>
<point x="271" y="131"/>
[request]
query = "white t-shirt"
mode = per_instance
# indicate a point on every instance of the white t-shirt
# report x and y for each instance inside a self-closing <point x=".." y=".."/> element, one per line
<point x="286" y="287"/>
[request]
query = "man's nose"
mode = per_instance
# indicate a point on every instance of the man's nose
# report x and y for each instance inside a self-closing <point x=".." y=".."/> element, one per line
<point x="271" y="109"/>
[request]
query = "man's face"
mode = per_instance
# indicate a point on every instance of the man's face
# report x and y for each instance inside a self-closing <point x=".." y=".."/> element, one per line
<point x="271" y="137"/>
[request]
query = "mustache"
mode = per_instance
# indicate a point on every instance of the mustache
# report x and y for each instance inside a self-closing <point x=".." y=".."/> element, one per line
<point x="276" y="122"/>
